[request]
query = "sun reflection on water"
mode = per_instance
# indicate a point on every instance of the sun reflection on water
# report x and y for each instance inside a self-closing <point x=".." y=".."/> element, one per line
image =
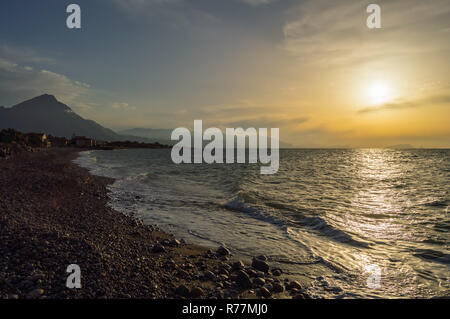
<point x="377" y="202"/>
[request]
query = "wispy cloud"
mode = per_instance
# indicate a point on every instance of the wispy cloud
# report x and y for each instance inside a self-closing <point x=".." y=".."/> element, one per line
<point x="22" y="55"/>
<point x="404" y="104"/>
<point x="123" y="106"/>
<point x="335" y="32"/>
<point x="269" y="122"/>
<point x="18" y="82"/>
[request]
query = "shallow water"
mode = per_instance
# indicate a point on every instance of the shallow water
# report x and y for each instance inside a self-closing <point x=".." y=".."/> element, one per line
<point x="336" y="217"/>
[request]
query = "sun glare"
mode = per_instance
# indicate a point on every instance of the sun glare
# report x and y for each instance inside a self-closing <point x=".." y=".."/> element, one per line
<point x="378" y="92"/>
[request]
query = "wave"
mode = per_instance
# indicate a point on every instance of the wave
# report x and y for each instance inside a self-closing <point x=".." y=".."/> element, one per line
<point x="315" y="224"/>
<point x="432" y="255"/>
<point x="238" y="204"/>
<point x="437" y="203"/>
<point x="442" y="227"/>
<point x="305" y="217"/>
<point x="320" y="225"/>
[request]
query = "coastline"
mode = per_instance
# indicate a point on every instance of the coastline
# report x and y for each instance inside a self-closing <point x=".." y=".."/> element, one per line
<point x="54" y="213"/>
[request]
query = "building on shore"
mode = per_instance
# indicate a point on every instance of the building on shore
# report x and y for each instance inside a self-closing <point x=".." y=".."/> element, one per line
<point x="58" y="141"/>
<point x="37" y="140"/>
<point x="82" y="141"/>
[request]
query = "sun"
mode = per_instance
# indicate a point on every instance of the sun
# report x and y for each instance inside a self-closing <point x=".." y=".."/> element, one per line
<point x="378" y="92"/>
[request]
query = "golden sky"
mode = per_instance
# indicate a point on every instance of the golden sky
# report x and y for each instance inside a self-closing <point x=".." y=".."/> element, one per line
<point x="310" y="67"/>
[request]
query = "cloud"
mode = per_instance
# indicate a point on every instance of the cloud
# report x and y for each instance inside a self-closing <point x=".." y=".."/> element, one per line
<point x="18" y="83"/>
<point x="403" y="104"/>
<point x="335" y="32"/>
<point x="123" y="106"/>
<point x="242" y="113"/>
<point x="22" y="55"/>
<point x="269" y="121"/>
<point x="19" y="80"/>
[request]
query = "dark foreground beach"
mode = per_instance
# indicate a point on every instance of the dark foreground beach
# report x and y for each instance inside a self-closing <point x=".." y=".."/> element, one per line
<point x="53" y="213"/>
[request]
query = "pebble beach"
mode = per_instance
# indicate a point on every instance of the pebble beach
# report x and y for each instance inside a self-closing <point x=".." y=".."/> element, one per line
<point x="54" y="213"/>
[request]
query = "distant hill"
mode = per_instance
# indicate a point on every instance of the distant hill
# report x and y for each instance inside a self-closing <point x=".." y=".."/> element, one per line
<point x="163" y="136"/>
<point x="47" y="115"/>
<point x="153" y="135"/>
<point x="401" y="146"/>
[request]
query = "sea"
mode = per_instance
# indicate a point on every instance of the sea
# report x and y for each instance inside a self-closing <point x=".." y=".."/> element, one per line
<point x="351" y="223"/>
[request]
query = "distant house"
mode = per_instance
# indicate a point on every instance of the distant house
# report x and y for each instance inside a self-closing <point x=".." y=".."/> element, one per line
<point x="57" y="141"/>
<point x="82" y="141"/>
<point x="37" y="139"/>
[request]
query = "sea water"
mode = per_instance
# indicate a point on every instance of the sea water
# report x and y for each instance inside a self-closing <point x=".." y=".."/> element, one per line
<point x="332" y="218"/>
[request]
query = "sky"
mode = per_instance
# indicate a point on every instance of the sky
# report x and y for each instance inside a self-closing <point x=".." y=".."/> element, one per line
<point x="309" y="67"/>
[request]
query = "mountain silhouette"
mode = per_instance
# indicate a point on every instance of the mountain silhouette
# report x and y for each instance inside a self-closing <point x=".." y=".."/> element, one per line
<point x="47" y="115"/>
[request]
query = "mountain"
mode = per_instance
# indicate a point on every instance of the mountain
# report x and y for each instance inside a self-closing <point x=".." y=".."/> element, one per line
<point x="46" y="114"/>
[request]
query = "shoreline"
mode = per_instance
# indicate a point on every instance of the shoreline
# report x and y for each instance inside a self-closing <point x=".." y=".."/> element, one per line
<point x="54" y="213"/>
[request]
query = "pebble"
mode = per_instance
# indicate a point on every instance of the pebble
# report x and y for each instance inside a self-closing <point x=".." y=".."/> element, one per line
<point x="223" y="277"/>
<point x="154" y="286"/>
<point x="300" y="296"/>
<point x="276" y="272"/>
<point x="223" y="271"/>
<point x="293" y="285"/>
<point x="174" y="243"/>
<point x="188" y="266"/>
<point x="277" y="287"/>
<point x="251" y="272"/>
<point x="264" y="292"/>
<point x="170" y="263"/>
<point x="197" y="292"/>
<point x="268" y="287"/>
<point x="260" y="265"/>
<point x="243" y="280"/>
<point x="208" y="275"/>
<point x="238" y="265"/>
<point x="261" y="257"/>
<point x="183" y="273"/>
<point x="182" y="290"/>
<point x="158" y="248"/>
<point x="259" y="282"/>
<point x="36" y="293"/>
<point x="222" y="251"/>
<point x="226" y="267"/>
